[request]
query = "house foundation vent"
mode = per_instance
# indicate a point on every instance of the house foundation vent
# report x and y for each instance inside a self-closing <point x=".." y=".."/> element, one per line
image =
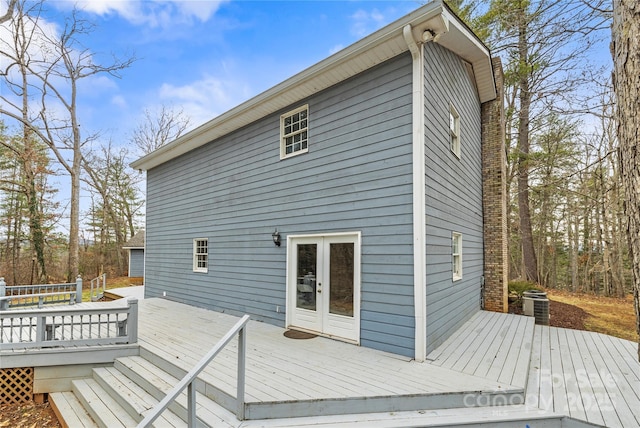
<point x="16" y="385"/>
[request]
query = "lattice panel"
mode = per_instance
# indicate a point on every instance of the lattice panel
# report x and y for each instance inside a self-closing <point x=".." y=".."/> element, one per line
<point x="16" y="385"/>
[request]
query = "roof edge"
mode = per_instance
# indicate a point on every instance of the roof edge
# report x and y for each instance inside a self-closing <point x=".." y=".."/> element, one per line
<point x="266" y="102"/>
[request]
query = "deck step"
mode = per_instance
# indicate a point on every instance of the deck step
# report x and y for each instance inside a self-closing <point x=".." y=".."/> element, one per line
<point x="70" y="411"/>
<point x="136" y="401"/>
<point x="157" y="382"/>
<point x="204" y="385"/>
<point x="103" y="408"/>
<point x="502" y="417"/>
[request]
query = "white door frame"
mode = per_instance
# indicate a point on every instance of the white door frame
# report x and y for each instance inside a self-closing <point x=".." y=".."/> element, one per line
<point x="334" y="324"/>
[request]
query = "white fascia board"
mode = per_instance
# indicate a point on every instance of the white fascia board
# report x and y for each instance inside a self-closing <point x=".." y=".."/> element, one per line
<point x="461" y="40"/>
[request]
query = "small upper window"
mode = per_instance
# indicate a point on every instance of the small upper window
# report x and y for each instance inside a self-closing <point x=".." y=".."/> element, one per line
<point x="456" y="255"/>
<point x="201" y="255"/>
<point x="293" y="132"/>
<point x="454" y="131"/>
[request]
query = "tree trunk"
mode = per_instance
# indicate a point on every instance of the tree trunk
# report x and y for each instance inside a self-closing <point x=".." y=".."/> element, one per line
<point x="528" y="249"/>
<point x="626" y="79"/>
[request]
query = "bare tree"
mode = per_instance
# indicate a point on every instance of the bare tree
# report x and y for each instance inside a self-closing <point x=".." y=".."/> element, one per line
<point x="626" y="79"/>
<point x="63" y="63"/>
<point x="160" y="128"/>
<point x="9" y="13"/>
<point x="116" y="195"/>
<point x="18" y="50"/>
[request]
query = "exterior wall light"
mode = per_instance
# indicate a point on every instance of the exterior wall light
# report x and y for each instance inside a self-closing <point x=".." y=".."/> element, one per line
<point x="276" y="237"/>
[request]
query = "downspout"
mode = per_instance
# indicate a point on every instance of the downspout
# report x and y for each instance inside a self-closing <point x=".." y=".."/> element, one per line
<point x="419" y="209"/>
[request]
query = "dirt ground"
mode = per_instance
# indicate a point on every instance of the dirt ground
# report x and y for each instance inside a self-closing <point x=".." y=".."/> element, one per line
<point x="29" y="415"/>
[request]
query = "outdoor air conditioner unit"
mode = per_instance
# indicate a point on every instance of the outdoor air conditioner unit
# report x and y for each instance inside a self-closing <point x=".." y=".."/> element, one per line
<point x="535" y="304"/>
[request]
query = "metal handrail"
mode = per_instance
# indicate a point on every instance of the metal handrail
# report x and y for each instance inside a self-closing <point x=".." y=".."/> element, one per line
<point x="98" y="283"/>
<point x="188" y="381"/>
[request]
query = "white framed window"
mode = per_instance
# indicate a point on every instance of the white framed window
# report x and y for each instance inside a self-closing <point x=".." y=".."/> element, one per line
<point x="294" y="127"/>
<point x="456" y="255"/>
<point x="454" y="130"/>
<point x="201" y="255"/>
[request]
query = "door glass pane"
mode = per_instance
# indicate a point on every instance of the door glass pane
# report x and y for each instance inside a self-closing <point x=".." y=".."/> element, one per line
<point x="341" y="279"/>
<point x="306" y="276"/>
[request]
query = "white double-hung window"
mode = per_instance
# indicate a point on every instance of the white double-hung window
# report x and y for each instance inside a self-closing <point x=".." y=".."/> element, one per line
<point x="201" y="255"/>
<point x="294" y="132"/>
<point x="454" y="130"/>
<point x="456" y="255"/>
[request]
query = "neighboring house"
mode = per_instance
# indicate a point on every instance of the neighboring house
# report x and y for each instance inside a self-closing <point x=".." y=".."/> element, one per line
<point x="135" y="247"/>
<point x="369" y="165"/>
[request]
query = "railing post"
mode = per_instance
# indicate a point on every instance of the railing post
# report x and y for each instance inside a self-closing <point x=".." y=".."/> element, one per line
<point x="191" y="404"/>
<point x="132" y="321"/>
<point x="79" y="289"/>
<point x="4" y="304"/>
<point x="242" y="342"/>
<point x="41" y="334"/>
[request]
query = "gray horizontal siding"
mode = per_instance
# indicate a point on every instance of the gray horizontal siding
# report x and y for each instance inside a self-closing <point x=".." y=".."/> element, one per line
<point x="236" y="190"/>
<point x="136" y="263"/>
<point x="453" y="194"/>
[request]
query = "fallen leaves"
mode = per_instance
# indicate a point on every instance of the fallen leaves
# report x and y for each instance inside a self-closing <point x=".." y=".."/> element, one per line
<point x="28" y="415"/>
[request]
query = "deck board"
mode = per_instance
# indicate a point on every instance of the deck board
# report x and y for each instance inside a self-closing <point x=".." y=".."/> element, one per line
<point x="489" y="346"/>
<point x="282" y="369"/>
<point x="584" y="375"/>
<point x="486" y="347"/>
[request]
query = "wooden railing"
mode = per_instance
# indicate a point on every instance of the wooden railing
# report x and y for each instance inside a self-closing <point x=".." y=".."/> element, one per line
<point x="106" y="324"/>
<point x="98" y="286"/>
<point x="188" y="381"/>
<point x="18" y="296"/>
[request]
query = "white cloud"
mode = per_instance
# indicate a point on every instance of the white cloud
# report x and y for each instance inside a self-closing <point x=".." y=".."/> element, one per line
<point x="336" y="48"/>
<point x="155" y="13"/>
<point x="365" y="22"/>
<point x="119" y="101"/>
<point x="96" y="85"/>
<point x="206" y="98"/>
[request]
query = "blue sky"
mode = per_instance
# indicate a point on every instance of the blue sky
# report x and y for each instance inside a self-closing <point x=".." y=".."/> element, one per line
<point x="205" y="56"/>
<point x="201" y="56"/>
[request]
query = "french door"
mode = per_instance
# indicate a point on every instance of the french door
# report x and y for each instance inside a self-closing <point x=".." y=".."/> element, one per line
<point x="323" y="284"/>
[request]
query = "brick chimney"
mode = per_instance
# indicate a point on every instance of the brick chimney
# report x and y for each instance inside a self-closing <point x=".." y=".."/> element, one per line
<point x="494" y="198"/>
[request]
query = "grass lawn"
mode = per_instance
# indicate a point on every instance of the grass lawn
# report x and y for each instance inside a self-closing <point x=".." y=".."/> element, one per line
<point x="608" y="315"/>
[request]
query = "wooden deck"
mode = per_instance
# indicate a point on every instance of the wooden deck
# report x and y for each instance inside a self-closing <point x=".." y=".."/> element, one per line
<point x="534" y="373"/>
<point x="585" y="375"/>
<point x="491" y="346"/>
<point x="288" y="377"/>
<point x="494" y="359"/>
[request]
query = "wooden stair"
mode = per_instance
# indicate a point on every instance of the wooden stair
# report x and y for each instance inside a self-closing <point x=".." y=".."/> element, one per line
<point x="122" y="395"/>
